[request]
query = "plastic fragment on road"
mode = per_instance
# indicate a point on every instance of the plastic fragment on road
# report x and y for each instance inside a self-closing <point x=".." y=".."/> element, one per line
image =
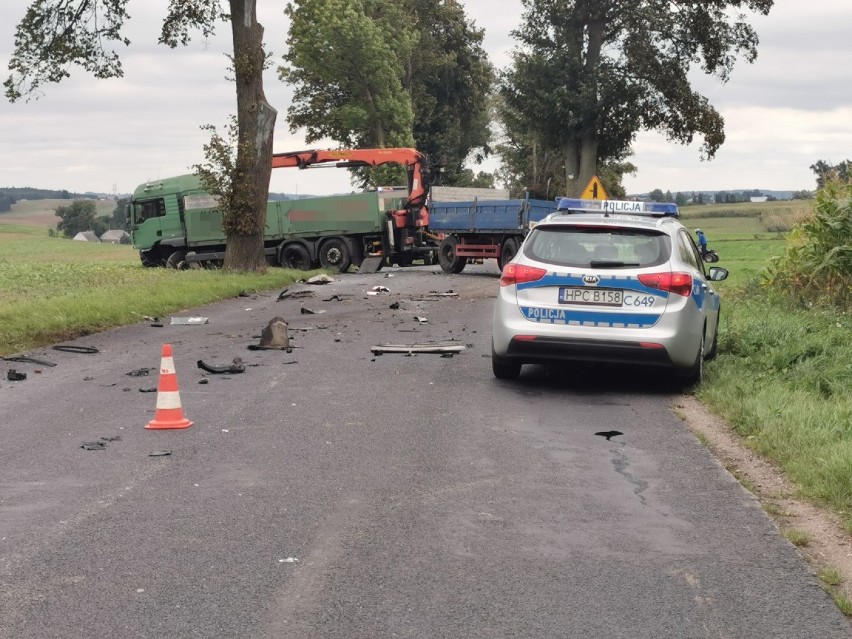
<point x="320" y="279"/>
<point x="15" y="376"/>
<point x="289" y="560"/>
<point x="160" y="453"/>
<point x="189" y="321"/>
<point x="83" y="350"/>
<point x="421" y="320"/>
<point x="426" y="347"/>
<point x="273" y="336"/>
<point x="236" y="366"/>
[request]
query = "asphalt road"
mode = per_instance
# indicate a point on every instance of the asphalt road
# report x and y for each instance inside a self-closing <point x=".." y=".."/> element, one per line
<point x="330" y="493"/>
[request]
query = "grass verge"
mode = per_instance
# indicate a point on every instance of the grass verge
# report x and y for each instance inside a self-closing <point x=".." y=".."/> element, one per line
<point x="782" y="381"/>
<point x="52" y="290"/>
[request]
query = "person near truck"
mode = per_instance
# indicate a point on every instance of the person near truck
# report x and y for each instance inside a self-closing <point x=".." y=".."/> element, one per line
<point x="702" y="241"/>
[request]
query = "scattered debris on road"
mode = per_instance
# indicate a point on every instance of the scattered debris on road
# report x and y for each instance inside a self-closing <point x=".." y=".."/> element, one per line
<point x="427" y="347"/>
<point x="287" y="294"/>
<point x="27" y="360"/>
<point x="274" y="336"/>
<point x="609" y="434"/>
<point x="139" y="372"/>
<point x="160" y="453"/>
<point x="84" y="350"/>
<point x="15" y="376"/>
<point x="189" y="321"/>
<point x="236" y="366"/>
<point x="320" y="279"/>
<point x="307" y="311"/>
<point x="421" y="320"/>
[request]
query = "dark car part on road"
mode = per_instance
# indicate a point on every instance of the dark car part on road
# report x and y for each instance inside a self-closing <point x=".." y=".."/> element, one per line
<point x="93" y="445"/>
<point x="160" y="453"/>
<point x="609" y="434"/>
<point x="274" y="336"/>
<point x="84" y="350"/>
<point x="139" y="372"/>
<point x="28" y="360"/>
<point x="15" y="376"/>
<point x="236" y="366"/>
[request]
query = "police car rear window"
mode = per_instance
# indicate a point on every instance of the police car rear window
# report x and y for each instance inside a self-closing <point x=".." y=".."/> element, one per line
<point x="597" y="247"/>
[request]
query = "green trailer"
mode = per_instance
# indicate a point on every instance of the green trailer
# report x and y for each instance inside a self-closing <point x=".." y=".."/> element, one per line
<point x="175" y="223"/>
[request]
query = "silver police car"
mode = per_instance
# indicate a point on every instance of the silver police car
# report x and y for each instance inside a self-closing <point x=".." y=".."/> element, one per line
<point x="607" y="281"/>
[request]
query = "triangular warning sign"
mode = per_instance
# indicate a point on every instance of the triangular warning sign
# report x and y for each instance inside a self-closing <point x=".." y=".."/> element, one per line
<point x="594" y="190"/>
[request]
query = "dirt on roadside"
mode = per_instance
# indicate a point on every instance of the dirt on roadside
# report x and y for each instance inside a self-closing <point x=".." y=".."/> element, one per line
<point x="829" y="545"/>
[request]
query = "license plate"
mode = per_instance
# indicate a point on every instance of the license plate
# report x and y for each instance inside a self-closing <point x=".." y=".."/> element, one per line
<point x="591" y="296"/>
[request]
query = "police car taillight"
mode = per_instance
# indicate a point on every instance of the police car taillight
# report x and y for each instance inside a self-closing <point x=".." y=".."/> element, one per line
<point x="677" y="283"/>
<point x="518" y="274"/>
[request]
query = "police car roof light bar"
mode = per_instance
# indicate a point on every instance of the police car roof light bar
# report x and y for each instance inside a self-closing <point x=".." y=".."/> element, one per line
<point x="656" y="209"/>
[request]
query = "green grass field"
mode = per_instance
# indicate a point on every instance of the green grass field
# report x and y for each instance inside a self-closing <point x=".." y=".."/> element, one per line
<point x="53" y="289"/>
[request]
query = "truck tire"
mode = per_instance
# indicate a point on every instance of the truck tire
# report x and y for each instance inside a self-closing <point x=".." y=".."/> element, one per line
<point x="447" y="258"/>
<point x="508" y="251"/>
<point x="334" y="254"/>
<point x="296" y="257"/>
<point x="177" y="260"/>
<point x="149" y="260"/>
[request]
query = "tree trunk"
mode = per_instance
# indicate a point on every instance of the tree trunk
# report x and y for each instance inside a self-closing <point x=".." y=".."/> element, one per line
<point x="571" y="154"/>
<point x="256" y="124"/>
<point x="588" y="159"/>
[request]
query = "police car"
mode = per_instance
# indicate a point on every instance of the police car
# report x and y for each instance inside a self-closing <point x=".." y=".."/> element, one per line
<point x="607" y="281"/>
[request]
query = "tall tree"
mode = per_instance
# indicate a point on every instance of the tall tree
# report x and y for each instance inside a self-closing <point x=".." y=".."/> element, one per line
<point x="826" y="172"/>
<point x="450" y="81"/>
<point x="79" y="216"/>
<point x="373" y="73"/>
<point x="589" y="74"/>
<point x="53" y="35"/>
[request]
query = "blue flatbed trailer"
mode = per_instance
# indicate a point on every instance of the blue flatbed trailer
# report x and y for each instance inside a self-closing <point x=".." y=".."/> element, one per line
<point x="480" y="229"/>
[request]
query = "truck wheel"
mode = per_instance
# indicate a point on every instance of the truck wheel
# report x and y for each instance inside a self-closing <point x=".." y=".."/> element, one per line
<point x="296" y="257"/>
<point x="509" y="251"/>
<point x="447" y="258"/>
<point x="177" y="260"/>
<point x="334" y="254"/>
<point x="149" y="260"/>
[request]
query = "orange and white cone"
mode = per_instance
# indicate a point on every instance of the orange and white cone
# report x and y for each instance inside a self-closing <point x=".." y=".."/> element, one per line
<point x="169" y="411"/>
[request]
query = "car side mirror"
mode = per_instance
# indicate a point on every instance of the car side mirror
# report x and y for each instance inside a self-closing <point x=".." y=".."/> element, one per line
<point x="717" y="274"/>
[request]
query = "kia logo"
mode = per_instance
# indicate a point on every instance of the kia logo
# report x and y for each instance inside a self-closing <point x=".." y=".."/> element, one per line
<point x="591" y="279"/>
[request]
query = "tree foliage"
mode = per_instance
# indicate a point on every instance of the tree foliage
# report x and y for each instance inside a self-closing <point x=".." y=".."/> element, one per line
<point x="826" y="172"/>
<point x="588" y="76"/>
<point x="381" y="73"/>
<point x="80" y="215"/>
<point x="55" y="35"/>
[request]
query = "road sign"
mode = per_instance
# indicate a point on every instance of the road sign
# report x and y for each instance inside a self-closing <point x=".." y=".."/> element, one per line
<point x="594" y="190"/>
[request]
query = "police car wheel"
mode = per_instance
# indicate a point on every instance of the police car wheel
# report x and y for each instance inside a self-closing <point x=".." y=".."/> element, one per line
<point x="693" y="375"/>
<point x="711" y="354"/>
<point x="504" y="368"/>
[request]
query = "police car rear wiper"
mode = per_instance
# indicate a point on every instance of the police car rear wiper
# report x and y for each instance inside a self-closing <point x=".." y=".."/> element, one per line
<point x="603" y="263"/>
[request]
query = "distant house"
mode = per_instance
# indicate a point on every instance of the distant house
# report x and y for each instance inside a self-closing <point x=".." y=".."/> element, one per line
<point x="86" y="236"/>
<point x="762" y="198"/>
<point x="116" y="236"/>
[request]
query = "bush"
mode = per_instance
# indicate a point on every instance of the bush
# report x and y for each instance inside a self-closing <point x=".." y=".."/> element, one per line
<point x="816" y="267"/>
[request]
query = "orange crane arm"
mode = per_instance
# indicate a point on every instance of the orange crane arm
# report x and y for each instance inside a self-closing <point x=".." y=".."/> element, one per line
<point x="412" y="159"/>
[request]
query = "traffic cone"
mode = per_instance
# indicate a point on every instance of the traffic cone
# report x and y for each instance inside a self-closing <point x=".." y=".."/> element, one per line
<point x="169" y="411"/>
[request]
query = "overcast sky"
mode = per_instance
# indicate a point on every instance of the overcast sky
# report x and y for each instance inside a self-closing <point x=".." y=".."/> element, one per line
<point x="793" y="106"/>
